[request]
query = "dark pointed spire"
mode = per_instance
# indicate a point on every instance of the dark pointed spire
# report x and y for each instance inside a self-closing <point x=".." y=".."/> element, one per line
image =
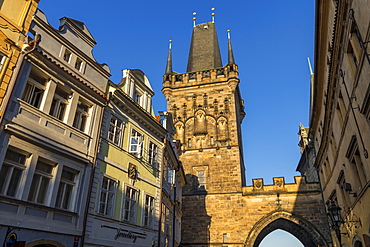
<point x="204" y="51"/>
<point x="169" y="60"/>
<point x="230" y="49"/>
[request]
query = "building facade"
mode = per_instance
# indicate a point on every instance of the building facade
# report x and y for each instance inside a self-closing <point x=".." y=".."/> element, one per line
<point x="15" y="20"/>
<point x="50" y="137"/>
<point x="339" y="117"/>
<point x="125" y="203"/>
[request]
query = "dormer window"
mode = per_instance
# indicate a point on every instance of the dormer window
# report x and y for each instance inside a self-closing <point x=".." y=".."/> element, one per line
<point x="78" y="64"/>
<point x="67" y="56"/>
<point x="137" y="96"/>
<point x="82" y="113"/>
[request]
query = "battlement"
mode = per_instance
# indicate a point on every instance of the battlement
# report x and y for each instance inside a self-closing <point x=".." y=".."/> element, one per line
<point x="279" y="186"/>
<point x="200" y="77"/>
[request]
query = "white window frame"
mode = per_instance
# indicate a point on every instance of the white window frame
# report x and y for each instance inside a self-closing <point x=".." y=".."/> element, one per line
<point x="81" y="116"/>
<point x="79" y="64"/>
<point x="115" y="131"/>
<point x="8" y="177"/>
<point x="38" y="178"/>
<point x="138" y="95"/>
<point x="136" y="143"/>
<point x="148" y="210"/>
<point x="65" y="198"/>
<point x="130" y="204"/>
<point x="109" y="201"/>
<point x="202" y="179"/>
<point x="67" y="55"/>
<point x="30" y="93"/>
<point x="61" y="103"/>
<point x="153" y="154"/>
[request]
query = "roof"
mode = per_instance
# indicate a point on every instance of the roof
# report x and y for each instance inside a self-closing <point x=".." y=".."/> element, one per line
<point x="204" y="51"/>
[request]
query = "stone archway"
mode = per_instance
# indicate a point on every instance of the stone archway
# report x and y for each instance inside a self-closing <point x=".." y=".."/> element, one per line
<point x="304" y="231"/>
<point x="44" y="243"/>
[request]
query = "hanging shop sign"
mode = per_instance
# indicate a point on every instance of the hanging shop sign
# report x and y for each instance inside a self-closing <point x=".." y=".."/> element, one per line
<point x="11" y="237"/>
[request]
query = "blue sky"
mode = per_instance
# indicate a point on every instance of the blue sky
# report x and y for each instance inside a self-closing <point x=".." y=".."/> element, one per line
<point x="271" y="41"/>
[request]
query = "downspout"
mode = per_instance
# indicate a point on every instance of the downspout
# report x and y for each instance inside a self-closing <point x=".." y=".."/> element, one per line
<point x="174" y="216"/>
<point x="35" y="42"/>
<point x="94" y="165"/>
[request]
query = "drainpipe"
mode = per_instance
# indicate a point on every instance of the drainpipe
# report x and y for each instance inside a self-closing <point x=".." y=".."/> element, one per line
<point x="35" y="42"/>
<point x="174" y="216"/>
<point x="93" y="168"/>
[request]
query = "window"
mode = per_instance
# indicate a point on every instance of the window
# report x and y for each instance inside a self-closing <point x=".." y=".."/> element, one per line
<point x="78" y="64"/>
<point x="356" y="165"/>
<point x="201" y="180"/>
<point x="136" y="143"/>
<point x="115" y="130"/>
<point x="148" y="210"/>
<point x="130" y="204"/>
<point x="11" y="172"/>
<point x="65" y="190"/>
<point x="59" y="103"/>
<point x="153" y="152"/>
<point x="171" y="176"/>
<point x="365" y="108"/>
<point x="212" y="141"/>
<point x="345" y="189"/>
<point x="82" y="113"/>
<point x="107" y="196"/>
<point x="40" y="182"/>
<point x="137" y="96"/>
<point x="341" y="110"/>
<point x="34" y="89"/>
<point x="67" y="56"/>
<point x="166" y="226"/>
<point x="2" y="56"/>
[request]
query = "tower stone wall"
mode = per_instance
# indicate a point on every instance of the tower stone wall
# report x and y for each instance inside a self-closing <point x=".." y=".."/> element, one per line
<point x="218" y="208"/>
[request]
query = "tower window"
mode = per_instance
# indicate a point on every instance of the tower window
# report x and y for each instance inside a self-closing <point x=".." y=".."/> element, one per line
<point x="201" y="180"/>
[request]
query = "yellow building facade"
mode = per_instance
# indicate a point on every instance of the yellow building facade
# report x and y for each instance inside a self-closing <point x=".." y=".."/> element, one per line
<point x="126" y="194"/>
<point x="15" y="19"/>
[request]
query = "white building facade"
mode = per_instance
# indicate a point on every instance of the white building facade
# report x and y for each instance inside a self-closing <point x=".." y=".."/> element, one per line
<point x="49" y="137"/>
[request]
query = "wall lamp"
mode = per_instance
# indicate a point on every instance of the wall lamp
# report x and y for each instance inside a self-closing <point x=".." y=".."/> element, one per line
<point x="336" y="220"/>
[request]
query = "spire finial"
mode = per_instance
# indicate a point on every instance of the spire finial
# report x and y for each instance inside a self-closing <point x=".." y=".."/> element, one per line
<point x="213" y="15"/>
<point x="230" y="49"/>
<point x="194" y="18"/>
<point x="169" y="59"/>
<point x="309" y="66"/>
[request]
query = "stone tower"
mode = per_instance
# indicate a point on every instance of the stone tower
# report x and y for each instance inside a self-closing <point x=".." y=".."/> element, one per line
<point x="218" y="209"/>
<point x="208" y="110"/>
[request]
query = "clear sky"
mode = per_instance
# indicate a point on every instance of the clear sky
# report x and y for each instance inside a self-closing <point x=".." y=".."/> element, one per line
<point x="271" y="42"/>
